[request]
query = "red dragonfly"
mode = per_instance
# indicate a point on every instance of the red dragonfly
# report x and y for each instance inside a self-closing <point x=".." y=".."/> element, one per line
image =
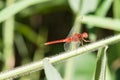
<point x="77" y="37"/>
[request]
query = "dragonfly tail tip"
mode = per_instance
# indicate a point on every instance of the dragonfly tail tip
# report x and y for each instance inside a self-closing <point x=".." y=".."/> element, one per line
<point x="45" y="43"/>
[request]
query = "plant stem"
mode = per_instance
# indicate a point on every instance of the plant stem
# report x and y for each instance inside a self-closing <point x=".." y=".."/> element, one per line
<point x="39" y="65"/>
<point x="69" y="67"/>
<point x="106" y="23"/>
<point x="8" y="35"/>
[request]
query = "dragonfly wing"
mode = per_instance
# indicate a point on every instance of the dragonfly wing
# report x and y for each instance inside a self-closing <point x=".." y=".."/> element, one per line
<point x="66" y="46"/>
<point x="75" y="29"/>
<point x="71" y="46"/>
<point x="71" y="31"/>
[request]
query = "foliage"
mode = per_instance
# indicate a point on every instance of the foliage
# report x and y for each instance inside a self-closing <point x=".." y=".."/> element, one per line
<point x="27" y="24"/>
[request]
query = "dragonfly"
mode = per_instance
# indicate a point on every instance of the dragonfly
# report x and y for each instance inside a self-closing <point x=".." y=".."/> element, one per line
<point x="77" y="38"/>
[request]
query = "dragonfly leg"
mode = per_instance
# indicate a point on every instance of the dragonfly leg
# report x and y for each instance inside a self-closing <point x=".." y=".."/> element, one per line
<point x="82" y="43"/>
<point x="86" y="40"/>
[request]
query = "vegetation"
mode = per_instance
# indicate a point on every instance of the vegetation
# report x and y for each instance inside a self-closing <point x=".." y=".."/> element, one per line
<point x="27" y="24"/>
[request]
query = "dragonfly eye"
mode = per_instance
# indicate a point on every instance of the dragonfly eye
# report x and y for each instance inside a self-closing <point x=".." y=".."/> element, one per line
<point x="85" y="35"/>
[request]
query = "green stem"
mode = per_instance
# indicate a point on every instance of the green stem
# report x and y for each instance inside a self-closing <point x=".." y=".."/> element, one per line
<point x="103" y="9"/>
<point x="107" y="23"/>
<point x="39" y="65"/>
<point x="8" y="35"/>
<point x="70" y="63"/>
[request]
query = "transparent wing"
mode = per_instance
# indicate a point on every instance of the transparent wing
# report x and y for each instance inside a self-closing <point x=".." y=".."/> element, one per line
<point x="74" y="44"/>
<point x="71" y="31"/>
<point x="75" y="28"/>
<point x="71" y="46"/>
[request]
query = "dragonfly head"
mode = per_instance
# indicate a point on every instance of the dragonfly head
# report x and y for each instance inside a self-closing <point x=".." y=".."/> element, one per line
<point x="85" y="35"/>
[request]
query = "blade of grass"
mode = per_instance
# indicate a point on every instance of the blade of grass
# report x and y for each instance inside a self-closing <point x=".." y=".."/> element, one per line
<point x="69" y="69"/>
<point x="8" y="36"/>
<point x="104" y="7"/>
<point x="50" y="71"/>
<point x="100" y="73"/>
<point x="69" y="64"/>
<point x="39" y="52"/>
<point x="101" y="12"/>
<point x="116" y="9"/>
<point x="47" y="7"/>
<point x="1" y="4"/>
<point x="106" y="23"/>
<point x="88" y="6"/>
<point x="79" y="6"/>
<point x="27" y="69"/>
<point x="75" y="5"/>
<point x="22" y="48"/>
<point x="28" y="32"/>
<point x="17" y="7"/>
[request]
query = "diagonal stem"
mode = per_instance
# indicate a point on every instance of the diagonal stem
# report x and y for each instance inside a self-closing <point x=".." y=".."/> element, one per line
<point x="39" y="65"/>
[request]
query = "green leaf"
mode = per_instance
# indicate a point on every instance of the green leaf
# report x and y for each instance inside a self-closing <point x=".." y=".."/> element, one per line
<point x="116" y="8"/>
<point x="83" y="6"/>
<point x="75" y="5"/>
<point x="88" y="6"/>
<point x="84" y="66"/>
<point x="48" y="7"/>
<point x="27" y="32"/>
<point x="104" y="7"/>
<point x="100" y="73"/>
<point x="17" y="7"/>
<point x="50" y="71"/>
<point x="106" y="23"/>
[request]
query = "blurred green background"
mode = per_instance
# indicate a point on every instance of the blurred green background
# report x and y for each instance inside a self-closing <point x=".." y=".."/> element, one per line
<point x="23" y="33"/>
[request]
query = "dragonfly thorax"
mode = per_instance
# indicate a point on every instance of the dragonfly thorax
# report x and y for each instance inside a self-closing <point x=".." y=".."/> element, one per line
<point x="76" y="37"/>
